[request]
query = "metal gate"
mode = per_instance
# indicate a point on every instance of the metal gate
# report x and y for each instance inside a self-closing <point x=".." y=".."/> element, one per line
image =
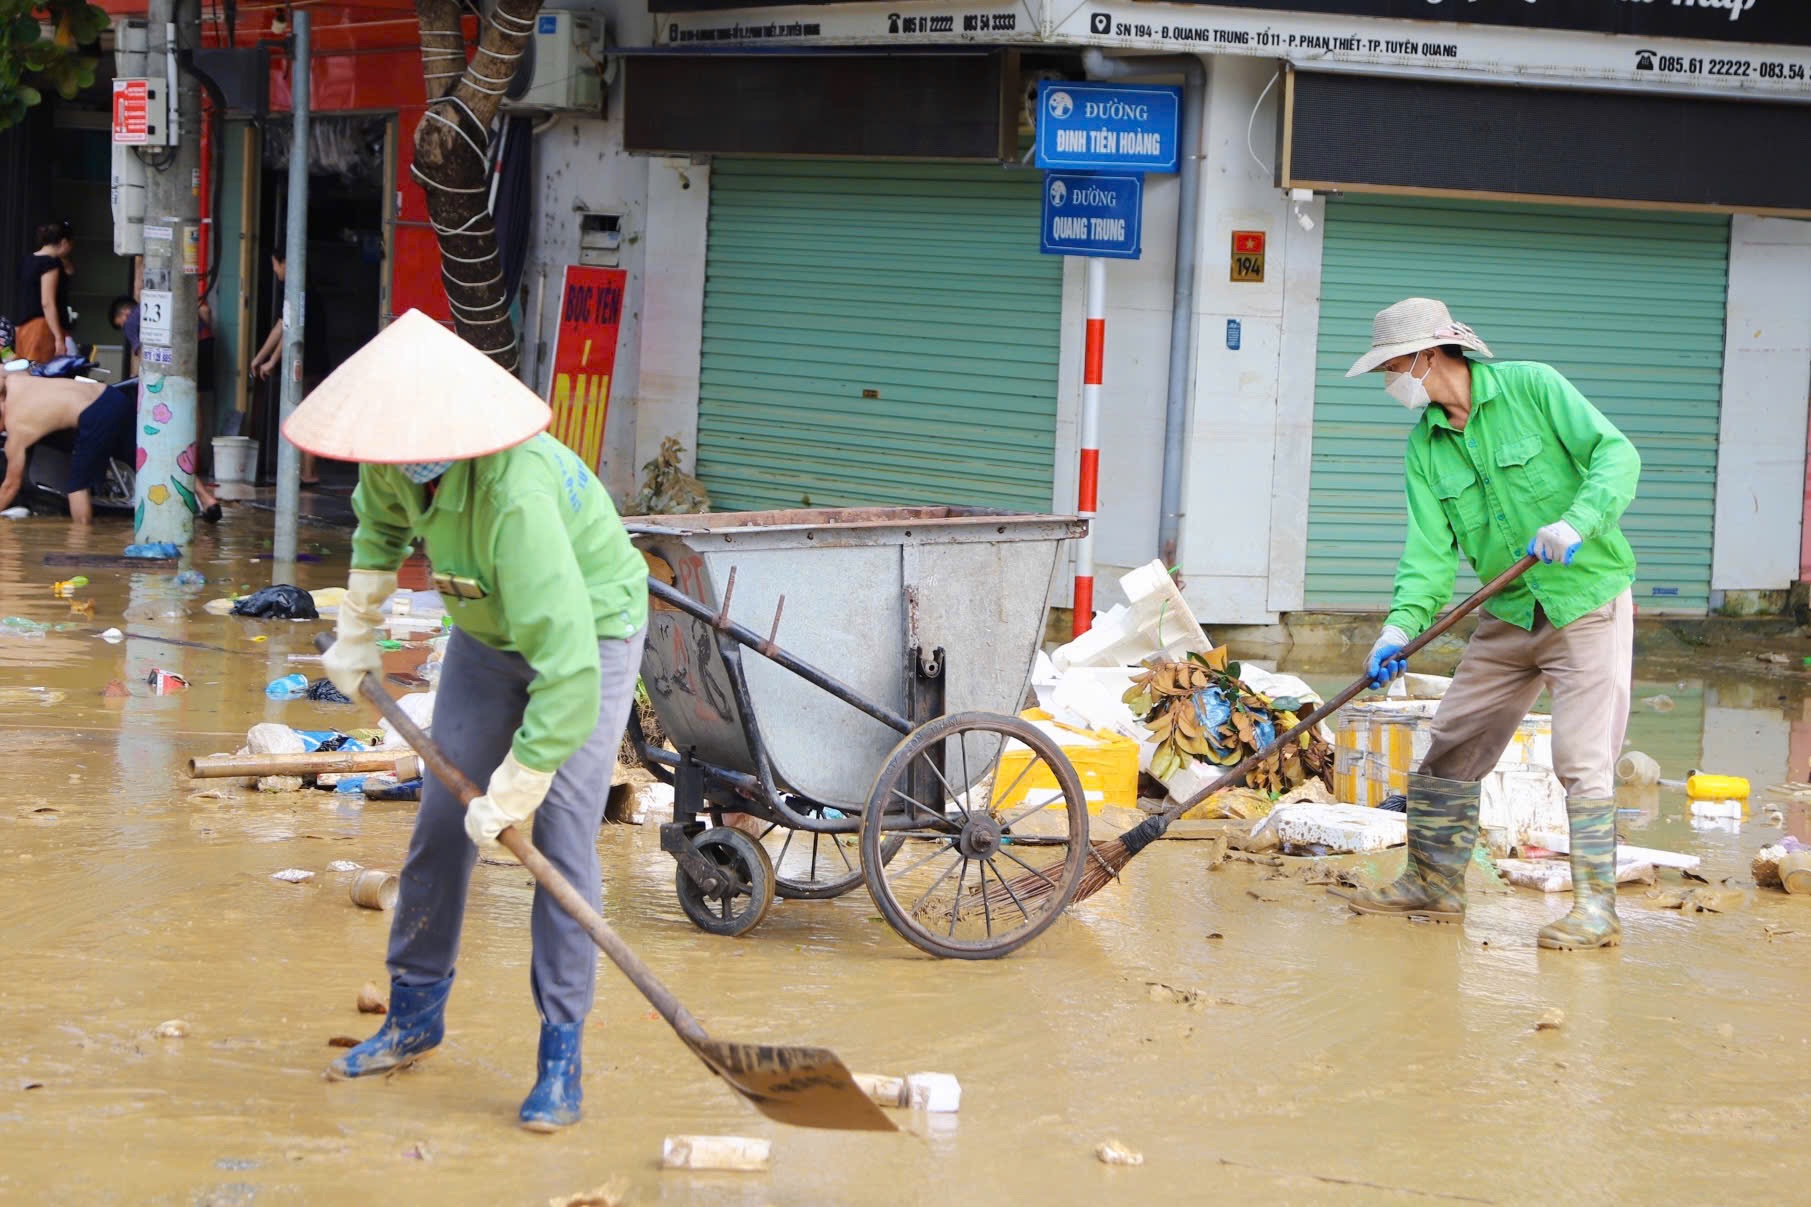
<point x="1629" y="305"/>
<point x="877" y="333"/>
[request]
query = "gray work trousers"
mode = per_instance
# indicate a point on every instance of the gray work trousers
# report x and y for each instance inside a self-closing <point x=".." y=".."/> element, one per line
<point x="482" y="695"/>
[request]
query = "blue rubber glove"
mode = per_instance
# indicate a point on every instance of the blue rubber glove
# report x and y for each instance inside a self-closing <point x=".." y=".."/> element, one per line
<point x="1383" y="665"/>
<point x="1557" y="542"/>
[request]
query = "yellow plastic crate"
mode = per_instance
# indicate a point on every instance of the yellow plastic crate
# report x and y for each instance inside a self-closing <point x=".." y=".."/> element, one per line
<point x="1106" y="763"/>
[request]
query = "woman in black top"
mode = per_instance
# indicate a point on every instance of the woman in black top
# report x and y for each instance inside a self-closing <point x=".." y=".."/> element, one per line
<point x="42" y="318"/>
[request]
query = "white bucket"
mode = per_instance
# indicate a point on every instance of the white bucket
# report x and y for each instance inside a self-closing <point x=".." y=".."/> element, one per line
<point x="235" y="459"/>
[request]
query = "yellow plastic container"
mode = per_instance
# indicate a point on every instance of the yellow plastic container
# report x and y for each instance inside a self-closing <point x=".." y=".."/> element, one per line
<point x="1106" y="763"/>
<point x="1716" y="787"/>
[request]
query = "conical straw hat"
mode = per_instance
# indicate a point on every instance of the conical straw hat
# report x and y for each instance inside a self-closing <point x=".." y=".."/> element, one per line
<point x="416" y="392"/>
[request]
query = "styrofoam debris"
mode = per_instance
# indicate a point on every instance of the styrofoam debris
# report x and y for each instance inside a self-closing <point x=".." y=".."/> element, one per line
<point x="1719" y="808"/>
<point x="1112" y="1152"/>
<point x="1555" y="875"/>
<point x="1086" y="697"/>
<point x="344" y="865"/>
<point x="112" y="636"/>
<point x="1561" y="841"/>
<point x="653" y="800"/>
<point x="293" y="875"/>
<point x="938" y="1093"/>
<point x="1341" y="829"/>
<point x="1419" y="687"/>
<point x="1153" y="621"/>
<point x="273" y="738"/>
<point x="735" y="1154"/>
<point x="882" y="1089"/>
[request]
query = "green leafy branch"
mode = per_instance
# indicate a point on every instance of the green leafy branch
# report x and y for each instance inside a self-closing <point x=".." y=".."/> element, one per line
<point x="42" y="45"/>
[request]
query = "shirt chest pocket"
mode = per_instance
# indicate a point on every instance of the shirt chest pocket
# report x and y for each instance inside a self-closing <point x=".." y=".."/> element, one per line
<point x="1463" y="500"/>
<point x="1518" y="459"/>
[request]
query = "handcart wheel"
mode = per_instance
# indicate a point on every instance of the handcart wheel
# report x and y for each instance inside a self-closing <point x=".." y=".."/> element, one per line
<point x="817" y="867"/>
<point x="983" y="870"/>
<point x="740" y="904"/>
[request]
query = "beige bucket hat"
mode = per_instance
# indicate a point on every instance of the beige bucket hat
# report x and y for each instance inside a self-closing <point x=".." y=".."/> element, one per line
<point x="416" y="392"/>
<point x="1414" y="325"/>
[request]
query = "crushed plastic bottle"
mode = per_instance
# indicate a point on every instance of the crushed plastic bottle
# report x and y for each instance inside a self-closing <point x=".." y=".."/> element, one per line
<point x="289" y="687"/>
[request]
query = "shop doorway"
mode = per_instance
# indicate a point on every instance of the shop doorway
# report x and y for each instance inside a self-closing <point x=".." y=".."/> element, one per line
<point x="345" y="271"/>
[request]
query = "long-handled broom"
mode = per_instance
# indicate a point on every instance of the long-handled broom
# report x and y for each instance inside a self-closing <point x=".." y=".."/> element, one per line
<point x="1107" y="859"/>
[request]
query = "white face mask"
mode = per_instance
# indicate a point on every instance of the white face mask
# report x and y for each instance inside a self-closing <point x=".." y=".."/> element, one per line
<point x="1406" y="388"/>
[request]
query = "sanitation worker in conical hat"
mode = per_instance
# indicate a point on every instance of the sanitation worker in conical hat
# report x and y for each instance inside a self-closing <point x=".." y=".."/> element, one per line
<point x="550" y="603"/>
<point x="1508" y="459"/>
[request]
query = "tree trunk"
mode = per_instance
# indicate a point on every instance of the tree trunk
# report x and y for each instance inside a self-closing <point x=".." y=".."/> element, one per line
<point x="452" y="161"/>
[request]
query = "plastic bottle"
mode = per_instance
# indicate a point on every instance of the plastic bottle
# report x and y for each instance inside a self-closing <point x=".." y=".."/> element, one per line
<point x="288" y="687"/>
<point x="1700" y="786"/>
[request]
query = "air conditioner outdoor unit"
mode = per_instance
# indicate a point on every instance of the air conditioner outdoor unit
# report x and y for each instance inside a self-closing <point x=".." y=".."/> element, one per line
<point x="562" y="70"/>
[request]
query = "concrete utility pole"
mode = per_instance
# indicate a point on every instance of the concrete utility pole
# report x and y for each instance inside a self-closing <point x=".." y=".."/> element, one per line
<point x="295" y="276"/>
<point x="165" y="492"/>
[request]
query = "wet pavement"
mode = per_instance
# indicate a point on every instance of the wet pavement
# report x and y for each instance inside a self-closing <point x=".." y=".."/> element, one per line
<point x="1298" y="1054"/>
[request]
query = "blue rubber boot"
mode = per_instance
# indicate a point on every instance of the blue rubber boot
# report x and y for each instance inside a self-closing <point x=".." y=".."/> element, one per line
<point x="554" y="1101"/>
<point x="415" y="1025"/>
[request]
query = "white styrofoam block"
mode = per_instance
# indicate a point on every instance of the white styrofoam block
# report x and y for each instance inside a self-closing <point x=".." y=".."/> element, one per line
<point x="938" y="1093"/>
<point x="1341" y="829"/>
<point x="1555" y="875"/>
<point x="273" y="738"/>
<point x="1522" y="801"/>
<point x="1155" y="621"/>
<point x="1191" y="778"/>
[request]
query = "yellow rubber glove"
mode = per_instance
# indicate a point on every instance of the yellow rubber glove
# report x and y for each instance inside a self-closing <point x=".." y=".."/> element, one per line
<point x="354" y="652"/>
<point x="515" y="793"/>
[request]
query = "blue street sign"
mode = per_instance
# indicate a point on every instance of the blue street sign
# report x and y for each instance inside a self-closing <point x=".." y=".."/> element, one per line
<point x="1089" y="214"/>
<point x="1107" y="127"/>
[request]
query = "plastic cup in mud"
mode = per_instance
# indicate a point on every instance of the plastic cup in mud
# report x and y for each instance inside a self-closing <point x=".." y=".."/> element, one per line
<point x="374" y="889"/>
<point x="1795" y="872"/>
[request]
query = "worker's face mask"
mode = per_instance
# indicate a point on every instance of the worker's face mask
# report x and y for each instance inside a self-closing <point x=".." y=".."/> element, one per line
<point x="423" y="472"/>
<point x="1406" y="388"/>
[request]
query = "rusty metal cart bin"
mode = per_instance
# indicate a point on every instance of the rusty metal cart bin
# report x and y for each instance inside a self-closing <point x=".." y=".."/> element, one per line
<point x="908" y="768"/>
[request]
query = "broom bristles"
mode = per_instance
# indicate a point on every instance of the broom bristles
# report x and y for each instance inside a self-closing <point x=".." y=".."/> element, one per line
<point x="1105" y="859"/>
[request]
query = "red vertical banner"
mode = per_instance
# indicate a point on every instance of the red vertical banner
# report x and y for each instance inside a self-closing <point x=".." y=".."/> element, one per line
<point x="584" y="357"/>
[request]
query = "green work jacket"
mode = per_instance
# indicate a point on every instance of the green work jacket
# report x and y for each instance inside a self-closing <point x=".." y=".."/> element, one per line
<point x="1534" y="451"/>
<point x="535" y="530"/>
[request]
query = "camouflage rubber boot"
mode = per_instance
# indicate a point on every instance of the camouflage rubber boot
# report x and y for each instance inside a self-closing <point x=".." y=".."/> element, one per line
<point x="1593" y="921"/>
<point x="1443" y="829"/>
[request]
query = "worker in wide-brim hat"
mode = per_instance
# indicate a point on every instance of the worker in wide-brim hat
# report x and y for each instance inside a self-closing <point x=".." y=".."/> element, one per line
<point x="1508" y="459"/>
<point x="549" y="602"/>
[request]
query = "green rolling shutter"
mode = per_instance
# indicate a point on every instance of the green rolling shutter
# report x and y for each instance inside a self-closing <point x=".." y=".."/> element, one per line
<point x="1629" y="305"/>
<point x="877" y="333"/>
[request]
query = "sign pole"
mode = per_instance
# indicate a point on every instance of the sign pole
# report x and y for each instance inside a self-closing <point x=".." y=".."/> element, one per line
<point x="295" y="301"/>
<point x="1088" y="480"/>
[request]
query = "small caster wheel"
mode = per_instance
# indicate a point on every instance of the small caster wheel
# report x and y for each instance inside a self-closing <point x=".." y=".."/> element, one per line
<point x="743" y="899"/>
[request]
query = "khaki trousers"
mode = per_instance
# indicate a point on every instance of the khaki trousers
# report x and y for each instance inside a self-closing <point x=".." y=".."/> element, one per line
<point x="1587" y="666"/>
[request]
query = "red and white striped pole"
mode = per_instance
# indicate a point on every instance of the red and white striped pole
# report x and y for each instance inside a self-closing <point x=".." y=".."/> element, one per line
<point x="1088" y="481"/>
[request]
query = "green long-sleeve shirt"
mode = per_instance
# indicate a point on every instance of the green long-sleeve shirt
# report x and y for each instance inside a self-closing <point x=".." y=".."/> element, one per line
<point x="538" y="534"/>
<point x="1534" y="451"/>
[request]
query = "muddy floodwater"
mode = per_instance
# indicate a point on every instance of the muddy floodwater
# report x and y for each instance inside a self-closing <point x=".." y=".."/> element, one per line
<point x="1238" y="1027"/>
